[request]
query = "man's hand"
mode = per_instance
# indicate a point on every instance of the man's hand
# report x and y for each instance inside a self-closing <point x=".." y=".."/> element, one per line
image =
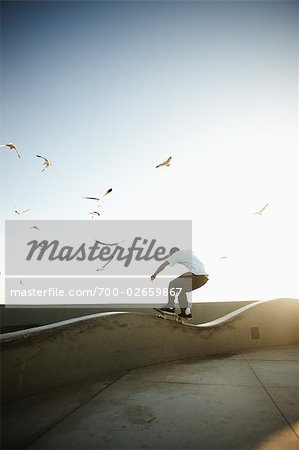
<point x="162" y="267"/>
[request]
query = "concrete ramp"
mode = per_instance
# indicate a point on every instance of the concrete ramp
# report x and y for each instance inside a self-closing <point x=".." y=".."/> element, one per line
<point x="54" y="355"/>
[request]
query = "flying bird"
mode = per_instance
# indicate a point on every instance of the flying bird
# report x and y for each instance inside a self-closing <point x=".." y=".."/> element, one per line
<point x="109" y="260"/>
<point x="99" y="202"/>
<point x="47" y="162"/>
<point x="94" y="213"/>
<point x="107" y="192"/>
<point x="19" y="212"/>
<point x="11" y="146"/>
<point x="260" y="212"/>
<point x="106" y="264"/>
<point x="92" y="198"/>
<point x="98" y="199"/>
<point x="165" y="163"/>
<point x="114" y="243"/>
<point x="34" y="227"/>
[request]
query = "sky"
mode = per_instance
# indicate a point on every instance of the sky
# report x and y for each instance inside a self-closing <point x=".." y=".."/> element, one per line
<point x="107" y="90"/>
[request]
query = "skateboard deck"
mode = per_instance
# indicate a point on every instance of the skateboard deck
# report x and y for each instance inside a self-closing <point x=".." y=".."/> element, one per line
<point x="167" y="316"/>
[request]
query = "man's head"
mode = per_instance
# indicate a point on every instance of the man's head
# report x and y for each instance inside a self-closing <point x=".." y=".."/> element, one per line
<point x="173" y="250"/>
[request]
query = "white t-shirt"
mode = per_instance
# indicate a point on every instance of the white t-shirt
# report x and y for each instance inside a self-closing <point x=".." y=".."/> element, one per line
<point x="189" y="260"/>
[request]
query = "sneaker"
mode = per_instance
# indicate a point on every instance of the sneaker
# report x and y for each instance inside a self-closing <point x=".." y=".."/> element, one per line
<point x="185" y="316"/>
<point x="167" y="310"/>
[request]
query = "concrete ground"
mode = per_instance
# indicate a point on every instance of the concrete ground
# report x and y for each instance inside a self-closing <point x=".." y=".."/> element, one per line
<point x="245" y="401"/>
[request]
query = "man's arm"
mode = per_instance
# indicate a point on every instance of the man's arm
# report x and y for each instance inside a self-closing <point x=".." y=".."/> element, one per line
<point x="162" y="267"/>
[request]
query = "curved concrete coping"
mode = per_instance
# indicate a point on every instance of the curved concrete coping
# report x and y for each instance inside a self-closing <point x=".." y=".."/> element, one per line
<point x="12" y="336"/>
<point x="53" y="355"/>
<point x="20" y="334"/>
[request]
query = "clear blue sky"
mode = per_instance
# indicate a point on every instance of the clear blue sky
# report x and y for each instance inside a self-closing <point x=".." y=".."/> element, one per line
<point x="107" y="90"/>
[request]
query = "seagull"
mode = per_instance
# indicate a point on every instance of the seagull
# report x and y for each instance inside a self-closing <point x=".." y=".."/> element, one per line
<point x="98" y="199"/>
<point x="47" y="162"/>
<point x="165" y="163"/>
<point x="260" y="212"/>
<point x="92" y="198"/>
<point x="109" y="245"/>
<point x="19" y="212"/>
<point x="109" y="260"/>
<point x="12" y="146"/>
<point x="106" y="264"/>
<point x="94" y="213"/>
<point x="107" y="192"/>
<point x="34" y="227"/>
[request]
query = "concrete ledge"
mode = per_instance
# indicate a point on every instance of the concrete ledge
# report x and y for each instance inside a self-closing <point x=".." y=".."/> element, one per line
<point x="19" y="318"/>
<point x="50" y="356"/>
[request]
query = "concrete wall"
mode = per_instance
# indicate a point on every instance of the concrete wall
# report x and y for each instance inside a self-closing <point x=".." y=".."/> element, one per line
<point x="26" y="317"/>
<point x="62" y="353"/>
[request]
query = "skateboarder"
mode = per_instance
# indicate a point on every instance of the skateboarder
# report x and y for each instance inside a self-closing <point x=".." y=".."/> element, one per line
<point x="187" y="282"/>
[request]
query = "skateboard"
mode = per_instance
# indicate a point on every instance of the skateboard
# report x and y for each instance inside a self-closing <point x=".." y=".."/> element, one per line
<point x="173" y="317"/>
